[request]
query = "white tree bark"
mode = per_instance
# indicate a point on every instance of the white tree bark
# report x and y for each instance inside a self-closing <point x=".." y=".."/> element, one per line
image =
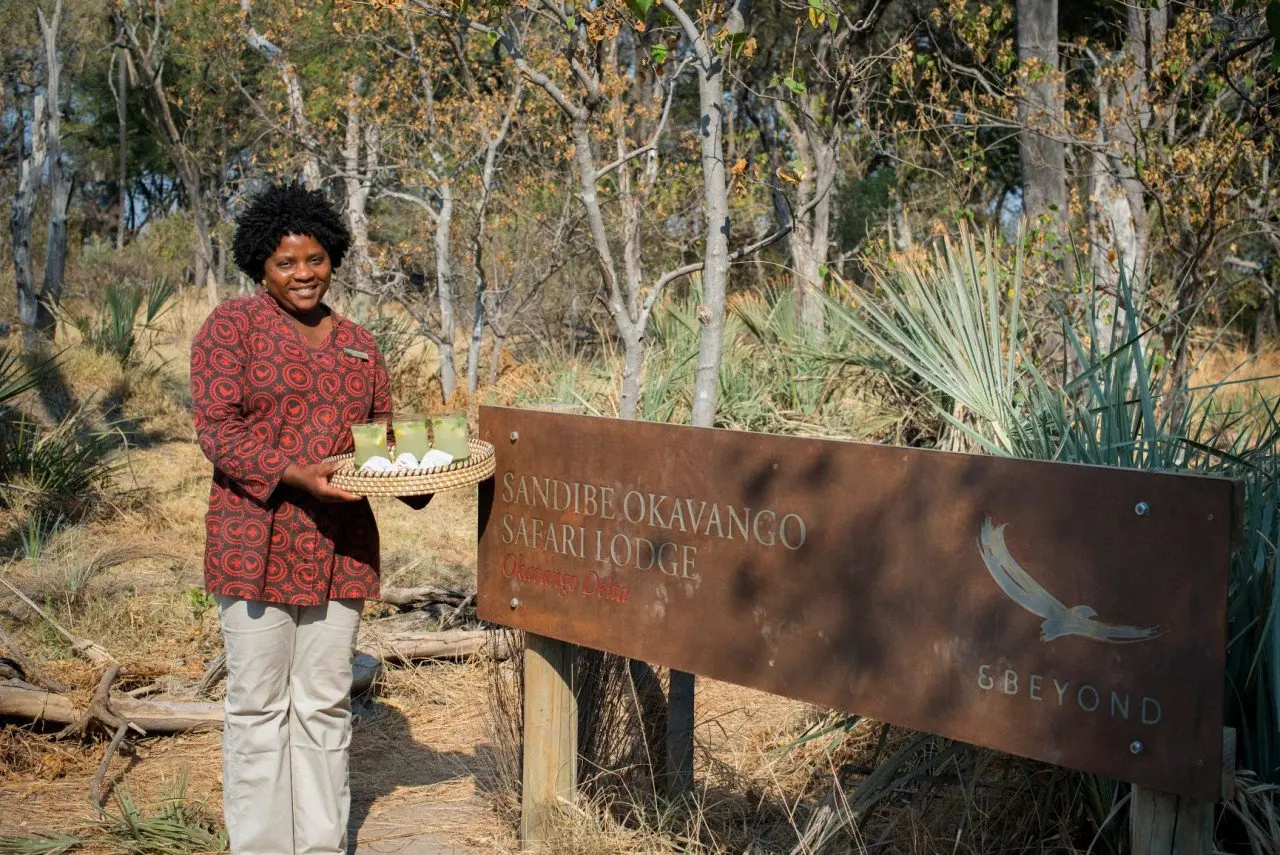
<point x="488" y="176"/>
<point x="715" y="189"/>
<point x="1118" y="221"/>
<point x="811" y="233"/>
<point x="298" y="121"/>
<point x="622" y="310"/>
<point x="358" y="180"/>
<point x="444" y="289"/>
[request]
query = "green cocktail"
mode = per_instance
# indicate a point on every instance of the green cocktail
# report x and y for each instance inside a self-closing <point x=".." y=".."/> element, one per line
<point x="370" y="441"/>
<point x="451" y="435"/>
<point x="411" y="435"/>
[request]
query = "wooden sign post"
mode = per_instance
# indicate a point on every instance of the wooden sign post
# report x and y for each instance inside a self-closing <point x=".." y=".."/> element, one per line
<point x="550" y="732"/>
<point x="1071" y="614"/>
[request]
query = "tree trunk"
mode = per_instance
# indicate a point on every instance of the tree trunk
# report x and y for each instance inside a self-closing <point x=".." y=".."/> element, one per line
<point x="477" y="336"/>
<point x="122" y="119"/>
<point x="205" y="269"/>
<point x="55" y="253"/>
<point x="487" y="177"/>
<point x="1118" y="219"/>
<point x="715" y="273"/>
<point x="22" y="213"/>
<point x="1040" y="117"/>
<point x="495" y="356"/>
<point x="809" y="239"/>
<point x="444" y="286"/>
<point x="620" y="308"/>
<point x="706" y="382"/>
<point x="188" y="171"/>
<point x="632" y="372"/>
<point x="298" y="121"/>
<point x="359" y="183"/>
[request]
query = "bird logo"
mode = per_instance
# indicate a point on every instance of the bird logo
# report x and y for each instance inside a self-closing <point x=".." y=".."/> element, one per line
<point x="1059" y="621"/>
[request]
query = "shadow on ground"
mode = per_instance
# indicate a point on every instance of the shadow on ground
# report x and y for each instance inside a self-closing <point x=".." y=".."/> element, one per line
<point x="385" y="757"/>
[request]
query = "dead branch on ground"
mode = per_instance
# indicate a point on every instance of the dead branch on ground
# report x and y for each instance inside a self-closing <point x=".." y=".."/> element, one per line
<point x="90" y="650"/>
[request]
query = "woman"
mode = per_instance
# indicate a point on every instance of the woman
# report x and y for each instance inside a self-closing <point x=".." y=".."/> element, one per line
<point x="277" y="379"/>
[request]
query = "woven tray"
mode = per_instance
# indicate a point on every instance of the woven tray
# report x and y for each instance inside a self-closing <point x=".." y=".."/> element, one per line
<point x="416" y="482"/>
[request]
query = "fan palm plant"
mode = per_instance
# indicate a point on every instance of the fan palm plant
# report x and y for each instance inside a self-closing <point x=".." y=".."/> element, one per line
<point x="954" y="319"/>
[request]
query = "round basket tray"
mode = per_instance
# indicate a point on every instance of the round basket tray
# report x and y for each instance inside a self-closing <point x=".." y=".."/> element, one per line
<point x="416" y="482"/>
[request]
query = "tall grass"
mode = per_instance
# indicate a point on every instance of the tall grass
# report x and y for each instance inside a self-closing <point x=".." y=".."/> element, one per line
<point x="59" y="462"/>
<point x="116" y="329"/>
<point x="954" y="319"/>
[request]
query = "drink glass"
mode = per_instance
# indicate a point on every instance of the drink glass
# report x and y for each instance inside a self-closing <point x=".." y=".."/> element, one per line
<point x="370" y="441"/>
<point x="411" y="434"/>
<point x="451" y="434"/>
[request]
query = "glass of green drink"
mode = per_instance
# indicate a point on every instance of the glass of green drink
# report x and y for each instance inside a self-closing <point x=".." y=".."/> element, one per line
<point x="411" y="434"/>
<point x="370" y="441"/>
<point x="451" y="434"/>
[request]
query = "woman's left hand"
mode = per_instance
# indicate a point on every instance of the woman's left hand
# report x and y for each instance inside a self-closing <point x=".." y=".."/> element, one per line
<point x="417" y="502"/>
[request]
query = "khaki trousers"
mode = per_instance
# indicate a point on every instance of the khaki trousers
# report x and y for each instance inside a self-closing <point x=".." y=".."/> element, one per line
<point x="287" y="736"/>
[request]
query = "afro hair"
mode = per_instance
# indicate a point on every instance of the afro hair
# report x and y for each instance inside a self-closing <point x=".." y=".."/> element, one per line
<point x="287" y="209"/>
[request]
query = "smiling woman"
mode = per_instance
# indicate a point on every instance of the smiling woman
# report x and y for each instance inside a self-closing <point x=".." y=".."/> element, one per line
<point x="277" y="380"/>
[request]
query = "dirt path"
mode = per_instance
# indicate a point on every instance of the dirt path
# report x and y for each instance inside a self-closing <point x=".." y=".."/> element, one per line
<point x="403" y="833"/>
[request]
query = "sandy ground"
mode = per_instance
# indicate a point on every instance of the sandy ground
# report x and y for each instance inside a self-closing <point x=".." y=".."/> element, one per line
<point x="422" y="758"/>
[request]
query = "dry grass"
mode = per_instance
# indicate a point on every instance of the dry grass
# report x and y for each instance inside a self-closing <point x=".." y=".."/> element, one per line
<point x="129" y="578"/>
<point x="1250" y="376"/>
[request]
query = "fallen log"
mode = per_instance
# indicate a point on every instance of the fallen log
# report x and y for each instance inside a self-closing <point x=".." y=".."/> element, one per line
<point x="416" y="598"/>
<point x="24" y="701"/>
<point x="152" y="716"/>
<point x="364" y="671"/>
<point x="408" y="645"/>
<point x="27" y="665"/>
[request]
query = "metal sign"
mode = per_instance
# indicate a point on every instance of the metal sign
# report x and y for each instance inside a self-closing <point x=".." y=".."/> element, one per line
<point x="1071" y="614"/>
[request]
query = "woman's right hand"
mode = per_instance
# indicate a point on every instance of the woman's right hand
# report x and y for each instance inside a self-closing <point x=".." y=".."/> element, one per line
<point x="314" y="479"/>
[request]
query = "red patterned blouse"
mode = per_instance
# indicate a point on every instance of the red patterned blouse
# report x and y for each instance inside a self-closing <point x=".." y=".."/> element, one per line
<point x="264" y="398"/>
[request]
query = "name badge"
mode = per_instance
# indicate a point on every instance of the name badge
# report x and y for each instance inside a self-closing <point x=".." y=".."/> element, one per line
<point x="358" y="354"/>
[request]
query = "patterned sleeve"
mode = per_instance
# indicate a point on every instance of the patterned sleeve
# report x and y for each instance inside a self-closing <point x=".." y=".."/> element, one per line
<point x="218" y="363"/>
<point x="381" y="388"/>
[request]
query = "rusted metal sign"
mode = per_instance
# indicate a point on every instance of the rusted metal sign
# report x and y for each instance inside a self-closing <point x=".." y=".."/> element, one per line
<point x="1072" y="614"/>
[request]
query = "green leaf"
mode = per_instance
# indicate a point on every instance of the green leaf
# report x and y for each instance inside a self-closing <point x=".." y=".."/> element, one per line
<point x="640" y="8"/>
<point x="658" y="53"/>
<point x="796" y="86"/>
<point x="570" y="24"/>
